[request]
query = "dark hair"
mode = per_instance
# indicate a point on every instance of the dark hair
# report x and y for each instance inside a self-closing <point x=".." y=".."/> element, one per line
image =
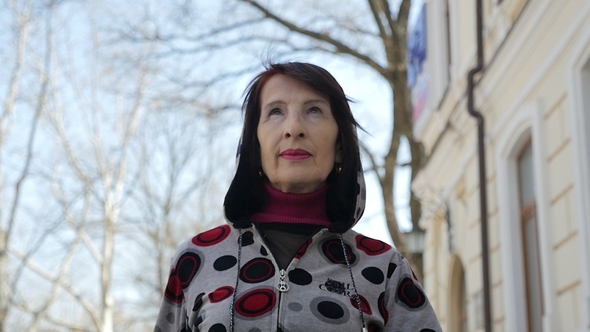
<point x="247" y="194"/>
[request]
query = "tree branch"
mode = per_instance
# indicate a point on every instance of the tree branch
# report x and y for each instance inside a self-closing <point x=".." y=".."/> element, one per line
<point x="374" y="165"/>
<point x="340" y="47"/>
<point x="90" y="309"/>
<point x="377" y="17"/>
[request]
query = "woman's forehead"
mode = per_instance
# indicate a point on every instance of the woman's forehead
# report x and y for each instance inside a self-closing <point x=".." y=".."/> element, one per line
<point x="282" y="88"/>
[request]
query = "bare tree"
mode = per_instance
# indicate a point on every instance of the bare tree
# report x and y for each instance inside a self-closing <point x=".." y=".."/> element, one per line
<point x="126" y="133"/>
<point x="177" y="194"/>
<point x="343" y="36"/>
<point x="7" y="221"/>
<point x="372" y="33"/>
<point x="100" y="134"/>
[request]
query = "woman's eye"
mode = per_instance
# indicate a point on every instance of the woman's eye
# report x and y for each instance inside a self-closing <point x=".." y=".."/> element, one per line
<point x="314" y="110"/>
<point x="275" y="111"/>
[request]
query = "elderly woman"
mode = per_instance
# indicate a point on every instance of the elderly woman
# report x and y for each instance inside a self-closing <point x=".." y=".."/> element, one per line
<point x="288" y="260"/>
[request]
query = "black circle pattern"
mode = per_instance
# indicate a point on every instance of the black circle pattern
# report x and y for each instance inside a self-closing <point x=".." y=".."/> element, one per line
<point x="198" y="302"/>
<point x="256" y="302"/>
<point x="374" y="275"/>
<point x="332" y="249"/>
<point x="217" y="328"/>
<point x="330" y="310"/>
<point x="390" y="269"/>
<point x="187" y="267"/>
<point x="372" y="327"/>
<point x="409" y="294"/>
<point x="382" y="309"/>
<point x="198" y="322"/>
<point x="300" y="277"/>
<point x="247" y="239"/>
<point x="212" y="237"/>
<point x="257" y="270"/>
<point x="224" y="263"/>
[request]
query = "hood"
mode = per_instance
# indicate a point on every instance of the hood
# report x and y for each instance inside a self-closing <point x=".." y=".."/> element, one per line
<point x="246" y="194"/>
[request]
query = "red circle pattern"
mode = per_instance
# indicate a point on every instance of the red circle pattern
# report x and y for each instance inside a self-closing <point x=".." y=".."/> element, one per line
<point x="364" y="304"/>
<point x="174" y="291"/>
<point x="221" y="294"/>
<point x="256" y="302"/>
<point x="212" y="237"/>
<point x="332" y="249"/>
<point x="370" y="246"/>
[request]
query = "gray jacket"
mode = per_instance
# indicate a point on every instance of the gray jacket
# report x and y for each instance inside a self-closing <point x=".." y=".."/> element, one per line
<point x="315" y="293"/>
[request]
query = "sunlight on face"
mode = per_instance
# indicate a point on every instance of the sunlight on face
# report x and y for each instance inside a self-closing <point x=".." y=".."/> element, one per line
<point x="297" y="135"/>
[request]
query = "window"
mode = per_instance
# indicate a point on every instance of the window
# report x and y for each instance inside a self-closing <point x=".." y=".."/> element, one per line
<point x="439" y="15"/>
<point x="530" y="239"/>
<point x="523" y="212"/>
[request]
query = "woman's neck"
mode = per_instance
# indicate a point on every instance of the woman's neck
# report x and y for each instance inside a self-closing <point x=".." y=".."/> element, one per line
<point x="294" y="208"/>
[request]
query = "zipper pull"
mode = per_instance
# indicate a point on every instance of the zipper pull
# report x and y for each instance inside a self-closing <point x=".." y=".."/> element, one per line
<point x="282" y="286"/>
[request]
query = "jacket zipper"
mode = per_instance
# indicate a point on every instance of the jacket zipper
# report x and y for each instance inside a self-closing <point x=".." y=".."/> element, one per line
<point x="282" y="287"/>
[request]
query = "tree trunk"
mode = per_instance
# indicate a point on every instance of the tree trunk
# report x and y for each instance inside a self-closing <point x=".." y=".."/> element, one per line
<point x="7" y="112"/>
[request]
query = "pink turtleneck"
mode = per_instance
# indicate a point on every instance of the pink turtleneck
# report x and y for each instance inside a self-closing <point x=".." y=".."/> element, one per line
<point x="294" y="208"/>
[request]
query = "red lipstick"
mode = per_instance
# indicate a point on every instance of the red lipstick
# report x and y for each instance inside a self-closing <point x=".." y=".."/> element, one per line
<point x="295" y="154"/>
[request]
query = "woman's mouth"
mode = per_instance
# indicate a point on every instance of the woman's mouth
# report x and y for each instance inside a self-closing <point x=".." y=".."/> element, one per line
<point x="295" y="154"/>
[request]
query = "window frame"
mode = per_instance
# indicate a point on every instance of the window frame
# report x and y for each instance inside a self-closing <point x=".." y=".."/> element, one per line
<point x="526" y="124"/>
<point x="580" y="121"/>
<point x="527" y="212"/>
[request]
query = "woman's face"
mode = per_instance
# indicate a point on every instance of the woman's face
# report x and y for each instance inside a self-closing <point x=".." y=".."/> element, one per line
<point x="297" y="135"/>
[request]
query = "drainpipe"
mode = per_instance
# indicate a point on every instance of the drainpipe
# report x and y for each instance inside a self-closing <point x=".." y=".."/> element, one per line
<point x="485" y="250"/>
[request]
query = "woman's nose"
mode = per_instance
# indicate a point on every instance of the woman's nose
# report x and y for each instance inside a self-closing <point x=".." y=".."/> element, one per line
<point x="294" y="127"/>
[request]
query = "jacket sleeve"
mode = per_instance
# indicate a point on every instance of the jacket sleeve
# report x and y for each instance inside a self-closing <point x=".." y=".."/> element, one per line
<point x="173" y="313"/>
<point x="404" y="303"/>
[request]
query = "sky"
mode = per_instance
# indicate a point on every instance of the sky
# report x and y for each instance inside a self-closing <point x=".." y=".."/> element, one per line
<point x="77" y="68"/>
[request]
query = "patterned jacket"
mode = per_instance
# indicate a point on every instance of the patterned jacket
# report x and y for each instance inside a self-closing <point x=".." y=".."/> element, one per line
<point x="315" y="293"/>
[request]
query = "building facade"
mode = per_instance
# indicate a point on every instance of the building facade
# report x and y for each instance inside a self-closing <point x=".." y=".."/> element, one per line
<point x="534" y="94"/>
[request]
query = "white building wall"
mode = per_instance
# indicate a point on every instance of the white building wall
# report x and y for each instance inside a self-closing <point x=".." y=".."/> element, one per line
<point x="534" y="87"/>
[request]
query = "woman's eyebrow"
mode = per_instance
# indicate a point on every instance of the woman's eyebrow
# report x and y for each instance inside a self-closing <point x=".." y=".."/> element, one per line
<point x="315" y="101"/>
<point x="273" y="104"/>
<point x="307" y="102"/>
